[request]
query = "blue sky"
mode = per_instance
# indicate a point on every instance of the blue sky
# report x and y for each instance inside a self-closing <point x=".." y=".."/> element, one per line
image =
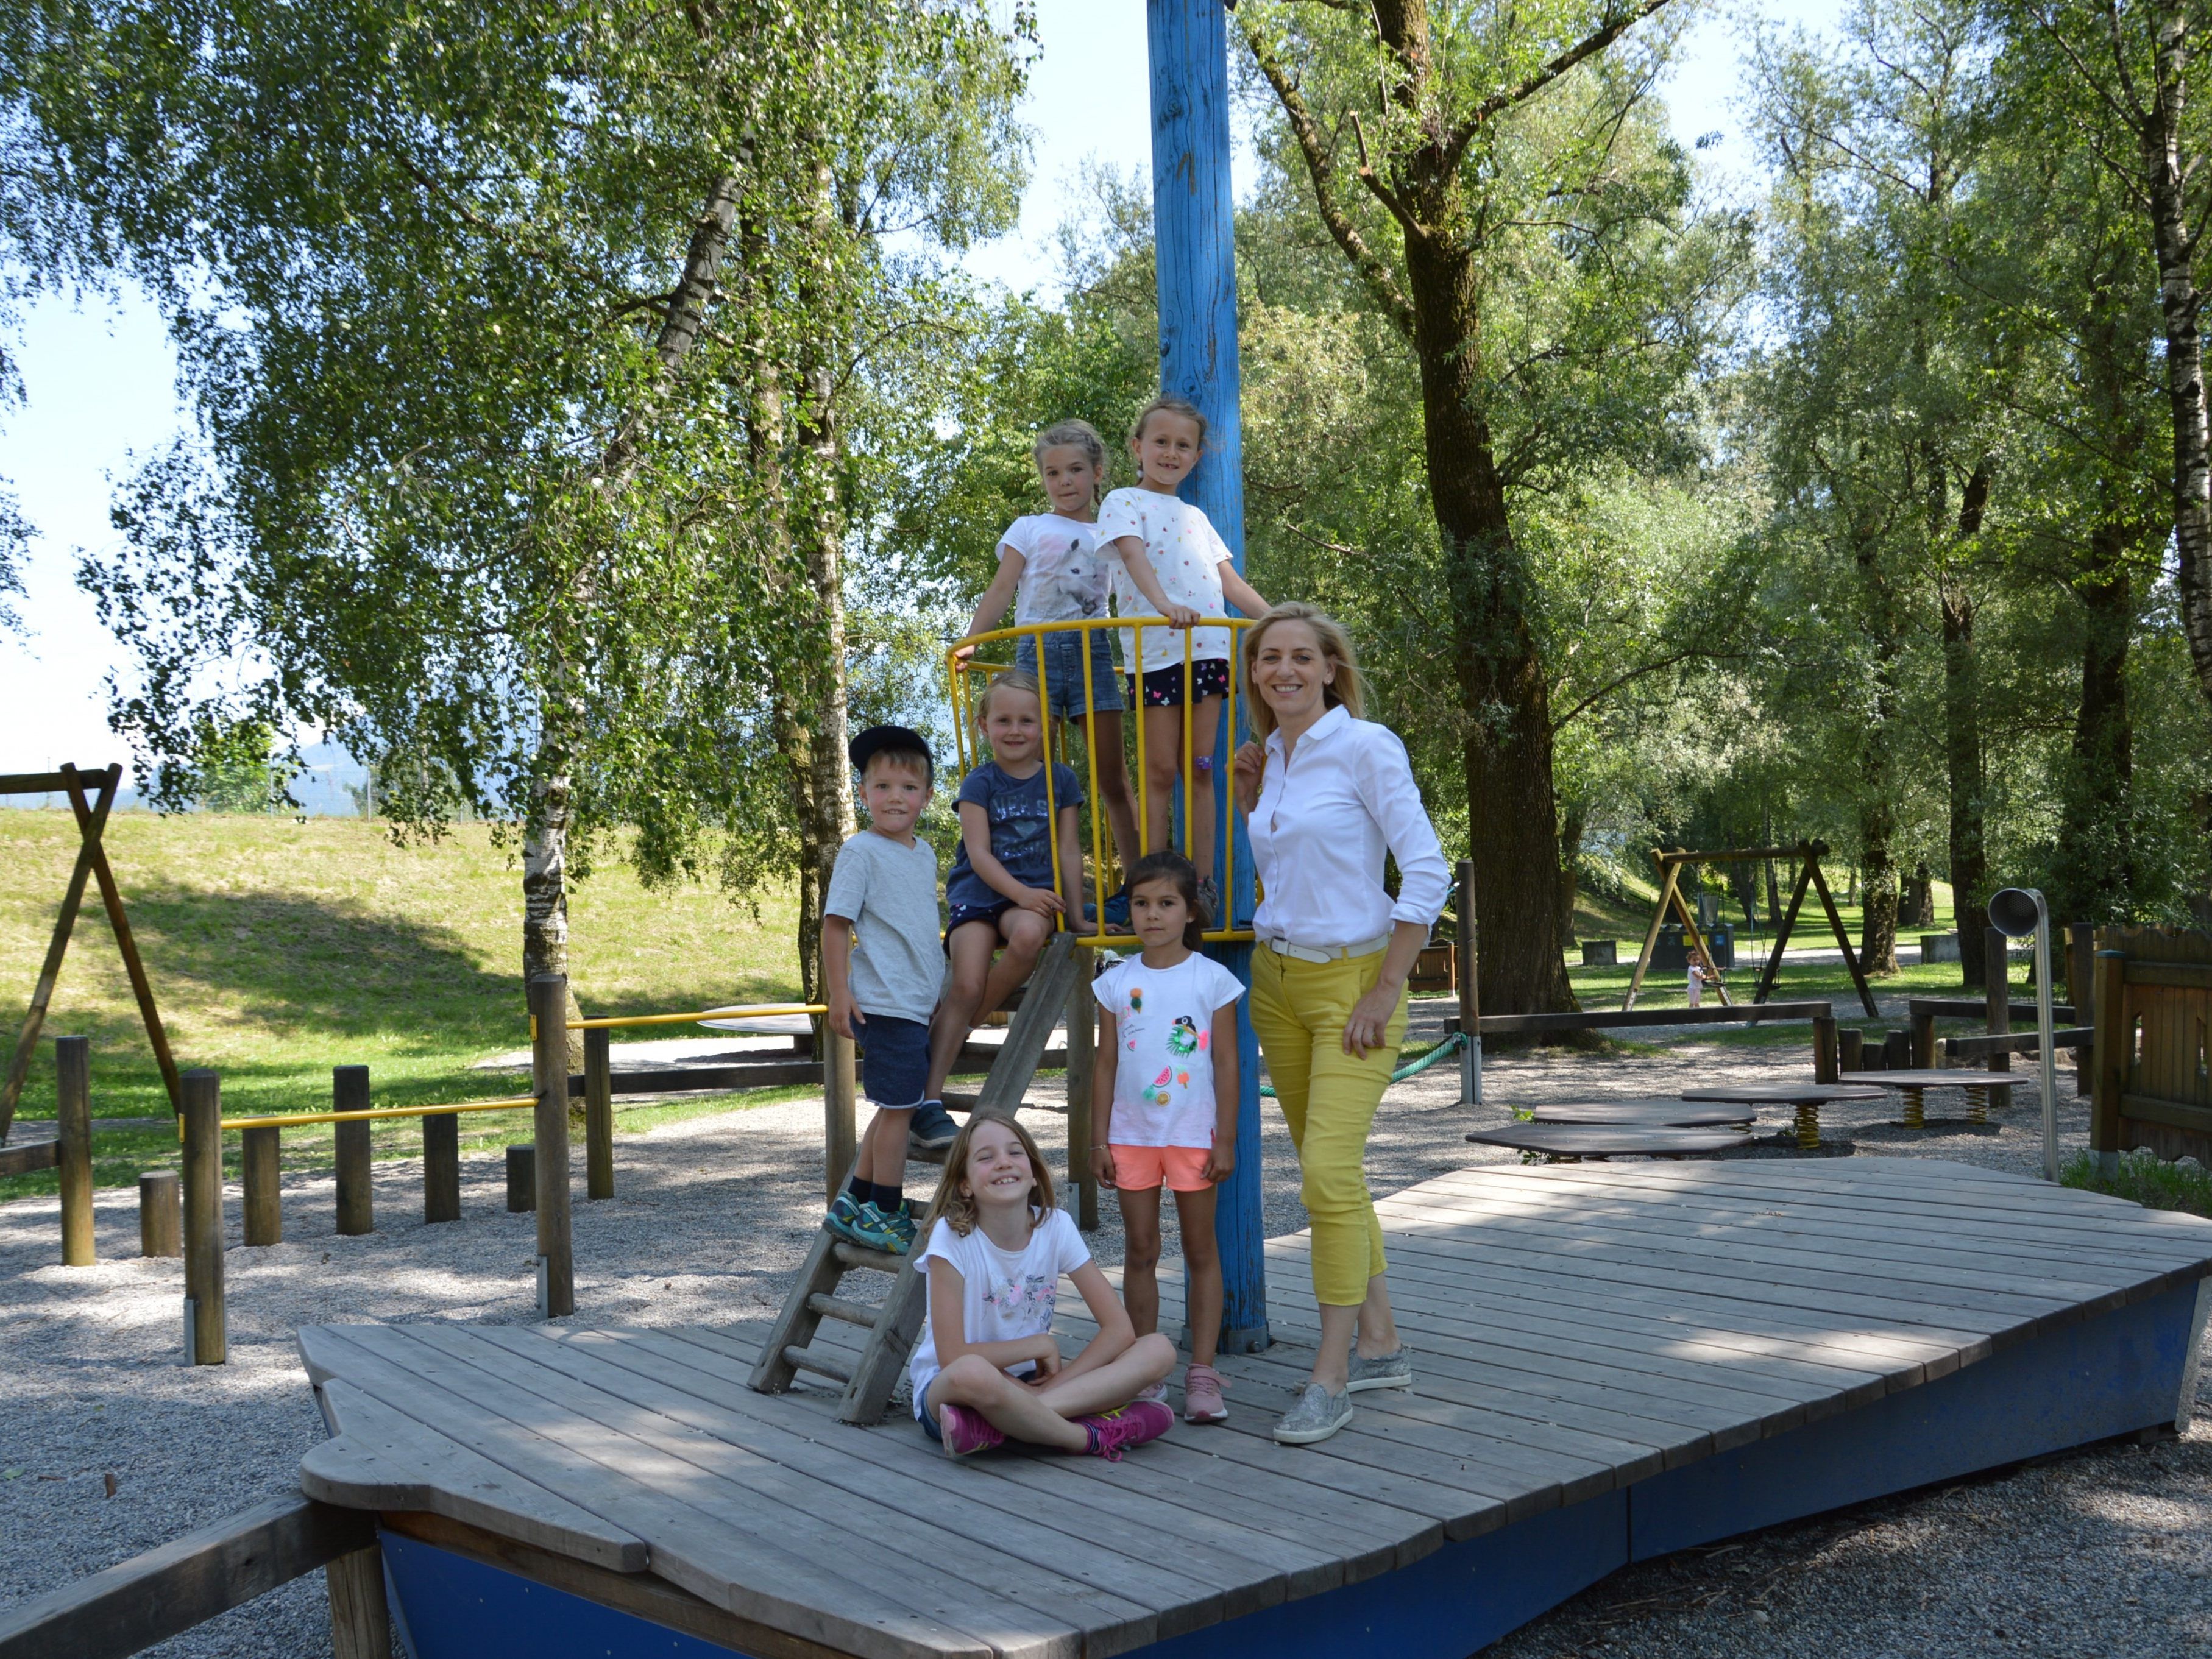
<point x="99" y="378"/>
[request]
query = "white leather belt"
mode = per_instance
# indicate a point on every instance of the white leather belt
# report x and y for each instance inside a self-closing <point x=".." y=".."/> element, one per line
<point x="1366" y="947"/>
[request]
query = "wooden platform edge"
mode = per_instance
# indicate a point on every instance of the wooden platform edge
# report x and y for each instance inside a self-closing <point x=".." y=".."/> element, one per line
<point x="25" y="1157"/>
<point x="130" y="1607"/>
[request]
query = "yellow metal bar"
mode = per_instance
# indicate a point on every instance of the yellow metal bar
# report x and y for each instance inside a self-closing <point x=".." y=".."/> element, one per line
<point x="1051" y="800"/>
<point x="1189" y="779"/>
<point x="298" y="1119"/>
<point x="1143" y="773"/>
<point x="1227" y="826"/>
<point x="750" y="1011"/>
<point x="1090" y="766"/>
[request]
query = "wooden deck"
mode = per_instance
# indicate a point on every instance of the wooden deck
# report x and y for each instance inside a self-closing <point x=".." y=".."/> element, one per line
<point x="1613" y="1361"/>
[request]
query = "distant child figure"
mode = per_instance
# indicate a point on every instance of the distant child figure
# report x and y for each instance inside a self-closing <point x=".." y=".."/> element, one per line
<point x="1001" y="890"/>
<point x="884" y="969"/>
<point x="1172" y="565"/>
<point x="985" y="1368"/>
<point x="1164" y="1090"/>
<point x="1052" y="568"/>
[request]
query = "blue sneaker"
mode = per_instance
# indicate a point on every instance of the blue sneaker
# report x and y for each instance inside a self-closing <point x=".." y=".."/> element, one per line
<point x="930" y="1130"/>
<point x="844" y="1216"/>
<point x="1117" y="907"/>
<point x="902" y="1223"/>
<point x="875" y="1230"/>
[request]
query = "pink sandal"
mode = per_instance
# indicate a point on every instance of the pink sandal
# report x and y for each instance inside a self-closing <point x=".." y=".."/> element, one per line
<point x="1202" y="1388"/>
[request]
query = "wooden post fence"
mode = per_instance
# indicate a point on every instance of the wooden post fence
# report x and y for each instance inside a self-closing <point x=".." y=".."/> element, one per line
<point x="160" y="1217"/>
<point x="356" y="1188"/>
<point x="442" y="1168"/>
<point x="521" y="1179"/>
<point x="205" y="1335"/>
<point x="841" y="1129"/>
<point x="261" y="1174"/>
<point x="599" y="1116"/>
<point x="556" y="1262"/>
<point x="73" y="1098"/>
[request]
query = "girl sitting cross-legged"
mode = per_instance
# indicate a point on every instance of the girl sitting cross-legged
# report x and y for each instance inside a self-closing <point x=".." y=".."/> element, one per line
<point x="985" y="1368"/>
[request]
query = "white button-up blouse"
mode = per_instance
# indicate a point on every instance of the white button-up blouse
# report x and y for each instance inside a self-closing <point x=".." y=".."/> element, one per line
<point x="1320" y="829"/>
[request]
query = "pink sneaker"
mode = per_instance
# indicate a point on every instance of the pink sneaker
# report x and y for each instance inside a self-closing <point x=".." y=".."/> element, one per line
<point x="1202" y="1387"/>
<point x="966" y="1430"/>
<point x="1113" y="1433"/>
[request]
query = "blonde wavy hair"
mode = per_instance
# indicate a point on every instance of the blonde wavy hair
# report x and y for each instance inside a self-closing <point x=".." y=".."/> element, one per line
<point x="955" y="1200"/>
<point x="1011" y="679"/>
<point x="1347" y="688"/>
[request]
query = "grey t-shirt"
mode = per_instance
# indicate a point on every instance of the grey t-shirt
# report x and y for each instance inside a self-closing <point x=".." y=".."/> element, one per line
<point x="889" y="893"/>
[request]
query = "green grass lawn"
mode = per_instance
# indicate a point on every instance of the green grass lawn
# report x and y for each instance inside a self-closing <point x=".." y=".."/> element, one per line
<point x="281" y="948"/>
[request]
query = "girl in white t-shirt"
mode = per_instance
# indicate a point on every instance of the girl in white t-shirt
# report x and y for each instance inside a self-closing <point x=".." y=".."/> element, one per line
<point x="1174" y="565"/>
<point x="985" y="1368"/>
<point x="1164" y="1092"/>
<point x="1052" y="568"/>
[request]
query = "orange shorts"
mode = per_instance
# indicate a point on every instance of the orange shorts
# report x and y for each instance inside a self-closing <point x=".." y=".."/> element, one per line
<point x="1145" y="1169"/>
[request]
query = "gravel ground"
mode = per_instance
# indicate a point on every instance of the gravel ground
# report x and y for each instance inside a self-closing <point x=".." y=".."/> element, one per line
<point x="2107" y="1551"/>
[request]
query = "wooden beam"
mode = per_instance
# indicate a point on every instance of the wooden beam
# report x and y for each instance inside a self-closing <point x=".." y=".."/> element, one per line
<point x="1734" y="854"/>
<point x="777" y="1073"/>
<point x="28" y="1156"/>
<point x="1772" y="971"/>
<point x="1671" y="873"/>
<point x="151" y="1597"/>
<point x="556" y="1261"/>
<point x="1740" y="1014"/>
<point x="34" y="783"/>
<point x="19" y="1065"/>
<point x="127" y="943"/>
<point x="1835" y="922"/>
<point x="2014" y="1042"/>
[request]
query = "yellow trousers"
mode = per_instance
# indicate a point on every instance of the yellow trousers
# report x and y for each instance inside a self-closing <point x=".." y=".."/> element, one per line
<point x="1328" y="1098"/>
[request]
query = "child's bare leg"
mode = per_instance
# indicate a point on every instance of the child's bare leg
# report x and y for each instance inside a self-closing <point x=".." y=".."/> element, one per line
<point x="970" y="947"/>
<point x="1104" y="734"/>
<point x="883" y="1154"/>
<point x="1015" y="1409"/>
<point x="1025" y="934"/>
<point x="1163" y="771"/>
<point x="1115" y="1383"/>
<point x="1204" y="719"/>
<point x="1194" y="1222"/>
<point x="1140" y="1258"/>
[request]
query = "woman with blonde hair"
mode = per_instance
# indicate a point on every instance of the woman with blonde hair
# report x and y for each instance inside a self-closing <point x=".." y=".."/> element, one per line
<point x="1326" y="794"/>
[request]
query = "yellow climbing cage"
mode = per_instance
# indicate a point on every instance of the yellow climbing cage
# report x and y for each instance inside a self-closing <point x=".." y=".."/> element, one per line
<point x="968" y="673"/>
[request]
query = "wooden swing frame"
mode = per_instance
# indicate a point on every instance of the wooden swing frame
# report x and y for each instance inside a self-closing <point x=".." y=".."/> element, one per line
<point x="91" y="796"/>
<point x="1808" y="854"/>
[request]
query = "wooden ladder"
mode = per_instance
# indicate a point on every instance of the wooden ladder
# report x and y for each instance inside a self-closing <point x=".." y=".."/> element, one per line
<point x="893" y="1326"/>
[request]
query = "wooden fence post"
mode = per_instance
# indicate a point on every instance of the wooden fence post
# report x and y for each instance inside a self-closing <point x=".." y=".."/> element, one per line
<point x="521" y="1179"/>
<point x="1082" y="1053"/>
<point x="442" y="1168"/>
<point x="556" y="1261"/>
<point x="73" y="1097"/>
<point x="161" y="1214"/>
<point x="598" y="1114"/>
<point x="2114" y="1044"/>
<point x="356" y="1191"/>
<point x="1825" y="1066"/>
<point x="206" y="1337"/>
<point x="1922" y="1043"/>
<point x="260" y="1173"/>
<point x="1850" y="1049"/>
<point x="361" y="1620"/>
<point x="840" y="1132"/>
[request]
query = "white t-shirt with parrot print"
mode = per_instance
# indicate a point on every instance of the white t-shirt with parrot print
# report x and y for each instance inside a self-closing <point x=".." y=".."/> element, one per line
<point x="1163" y="1071"/>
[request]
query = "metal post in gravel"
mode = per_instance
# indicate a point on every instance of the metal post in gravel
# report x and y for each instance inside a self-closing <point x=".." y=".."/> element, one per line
<point x="841" y="1129"/>
<point x="160" y="1224"/>
<point x="259" y="1172"/>
<point x="556" y="1261"/>
<point x="73" y="1098"/>
<point x="356" y="1194"/>
<point x="598" y="1114"/>
<point x="206" y="1336"/>
<point x="442" y="1168"/>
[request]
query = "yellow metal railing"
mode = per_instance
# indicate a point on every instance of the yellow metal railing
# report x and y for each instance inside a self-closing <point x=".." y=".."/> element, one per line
<point x="296" y="1120"/>
<point x="961" y="667"/>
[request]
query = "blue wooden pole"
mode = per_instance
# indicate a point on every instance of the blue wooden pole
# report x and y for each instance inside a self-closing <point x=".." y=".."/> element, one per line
<point x="1194" y="222"/>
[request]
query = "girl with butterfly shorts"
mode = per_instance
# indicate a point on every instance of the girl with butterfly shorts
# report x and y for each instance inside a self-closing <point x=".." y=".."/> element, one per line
<point x="1164" y="1092"/>
<point x="987" y="1368"/>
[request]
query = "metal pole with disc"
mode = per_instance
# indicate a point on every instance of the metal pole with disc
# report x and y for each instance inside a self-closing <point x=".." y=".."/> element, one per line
<point x="1193" y="223"/>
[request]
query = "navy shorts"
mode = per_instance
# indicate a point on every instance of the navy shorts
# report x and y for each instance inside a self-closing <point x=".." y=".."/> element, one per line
<point x="958" y="915"/>
<point x="894" y="1061"/>
<point x="1163" y="689"/>
<point x="1063" y="675"/>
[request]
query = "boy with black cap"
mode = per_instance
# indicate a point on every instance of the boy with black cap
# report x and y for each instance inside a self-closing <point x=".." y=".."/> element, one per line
<point x="884" y="968"/>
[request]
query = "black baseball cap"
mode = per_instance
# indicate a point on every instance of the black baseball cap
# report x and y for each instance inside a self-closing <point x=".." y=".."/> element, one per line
<point x="891" y="741"/>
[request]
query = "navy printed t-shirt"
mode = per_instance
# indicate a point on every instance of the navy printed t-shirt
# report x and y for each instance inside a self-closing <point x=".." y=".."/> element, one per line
<point x="1021" y="829"/>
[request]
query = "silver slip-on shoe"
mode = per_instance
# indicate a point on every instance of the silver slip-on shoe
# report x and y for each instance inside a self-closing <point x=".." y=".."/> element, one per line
<point x="1389" y="1370"/>
<point x="1317" y="1415"/>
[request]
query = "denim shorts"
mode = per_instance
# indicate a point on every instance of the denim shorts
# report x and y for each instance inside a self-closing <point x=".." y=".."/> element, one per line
<point x="894" y="1061"/>
<point x="1063" y="671"/>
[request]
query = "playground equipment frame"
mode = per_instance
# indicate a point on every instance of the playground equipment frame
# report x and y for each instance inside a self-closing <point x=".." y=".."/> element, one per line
<point x="92" y="810"/>
<point x="1808" y="854"/>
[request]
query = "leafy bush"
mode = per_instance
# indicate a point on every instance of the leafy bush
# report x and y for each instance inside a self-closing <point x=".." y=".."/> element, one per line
<point x="2148" y="1179"/>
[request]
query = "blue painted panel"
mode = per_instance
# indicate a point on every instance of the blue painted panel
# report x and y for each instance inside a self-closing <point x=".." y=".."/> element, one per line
<point x="448" y="1607"/>
<point x="2111" y="1374"/>
<point x="1445" y="1606"/>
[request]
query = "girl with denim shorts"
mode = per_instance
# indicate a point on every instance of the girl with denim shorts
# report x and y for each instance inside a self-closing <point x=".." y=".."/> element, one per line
<point x="1051" y="569"/>
<point x="1169" y="563"/>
